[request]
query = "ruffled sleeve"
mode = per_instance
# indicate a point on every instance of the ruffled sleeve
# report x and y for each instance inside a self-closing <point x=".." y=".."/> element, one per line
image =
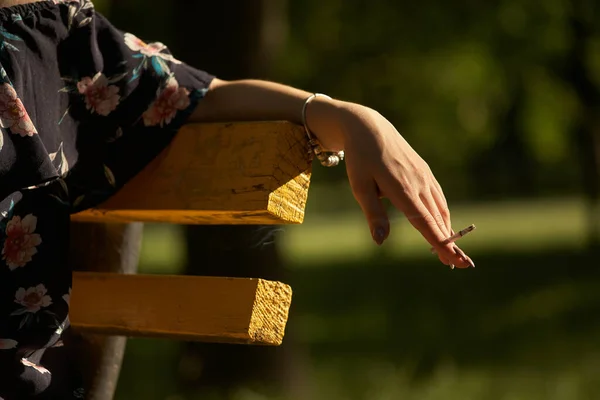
<point x="128" y="99"/>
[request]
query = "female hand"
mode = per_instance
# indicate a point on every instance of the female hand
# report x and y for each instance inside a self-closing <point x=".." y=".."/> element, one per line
<point x="380" y="163"/>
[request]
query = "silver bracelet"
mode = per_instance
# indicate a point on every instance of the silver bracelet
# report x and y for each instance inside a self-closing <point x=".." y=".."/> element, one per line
<point x="327" y="159"/>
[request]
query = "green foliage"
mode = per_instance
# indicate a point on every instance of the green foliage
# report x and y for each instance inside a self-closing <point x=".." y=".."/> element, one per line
<point x="449" y="74"/>
<point x="476" y="87"/>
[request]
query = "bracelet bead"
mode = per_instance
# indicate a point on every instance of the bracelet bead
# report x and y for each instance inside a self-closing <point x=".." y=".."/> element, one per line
<point x="327" y="159"/>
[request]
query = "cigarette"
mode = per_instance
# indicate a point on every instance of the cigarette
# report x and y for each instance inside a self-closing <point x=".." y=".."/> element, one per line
<point x="457" y="236"/>
<point x="460" y="234"/>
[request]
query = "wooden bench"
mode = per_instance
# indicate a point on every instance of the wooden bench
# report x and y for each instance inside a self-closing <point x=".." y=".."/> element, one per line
<point x="227" y="173"/>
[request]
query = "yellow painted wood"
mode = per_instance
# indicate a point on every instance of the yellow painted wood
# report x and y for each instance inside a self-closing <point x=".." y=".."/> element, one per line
<point x="208" y="309"/>
<point x="219" y="173"/>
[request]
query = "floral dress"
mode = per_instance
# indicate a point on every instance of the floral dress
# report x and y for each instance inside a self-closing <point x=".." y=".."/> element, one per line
<point x="83" y="108"/>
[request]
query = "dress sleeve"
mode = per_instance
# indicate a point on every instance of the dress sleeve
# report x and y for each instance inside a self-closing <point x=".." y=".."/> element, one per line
<point x="131" y="98"/>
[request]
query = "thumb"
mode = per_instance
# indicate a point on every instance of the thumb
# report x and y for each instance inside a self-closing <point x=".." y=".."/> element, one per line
<point x="366" y="194"/>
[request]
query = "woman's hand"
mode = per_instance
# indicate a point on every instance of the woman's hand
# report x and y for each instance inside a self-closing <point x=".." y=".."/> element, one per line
<point x="380" y="163"/>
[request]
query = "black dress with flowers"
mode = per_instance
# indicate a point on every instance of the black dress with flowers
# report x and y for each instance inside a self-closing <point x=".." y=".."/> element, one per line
<point x="83" y="108"/>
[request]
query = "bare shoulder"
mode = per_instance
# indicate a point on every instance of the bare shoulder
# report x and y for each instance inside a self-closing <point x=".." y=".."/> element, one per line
<point x="10" y="3"/>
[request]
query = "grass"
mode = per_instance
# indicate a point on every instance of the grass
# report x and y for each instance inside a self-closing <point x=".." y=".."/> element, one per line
<point x="378" y="324"/>
<point x="520" y="327"/>
<point x="511" y="226"/>
<point x="514" y="226"/>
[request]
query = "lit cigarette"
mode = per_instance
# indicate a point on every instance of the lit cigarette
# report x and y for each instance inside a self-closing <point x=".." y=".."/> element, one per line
<point x="460" y="234"/>
<point x="457" y="236"/>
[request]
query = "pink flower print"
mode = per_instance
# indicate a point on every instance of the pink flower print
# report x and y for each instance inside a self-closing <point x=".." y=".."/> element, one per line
<point x="13" y="114"/>
<point x="148" y="49"/>
<point x="7" y="344"/>
<point x="172" y="99"/>
<point x="35" y="366"/>
<point x="67" y="297"/>
<point x="100" y="97"/>
<point x="21" y="241"/>
<point x="33" y="299"/>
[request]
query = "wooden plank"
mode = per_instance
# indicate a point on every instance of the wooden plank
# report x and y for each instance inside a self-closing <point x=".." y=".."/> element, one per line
<point x="209" y="309"/>
<point x="226" y="173"/>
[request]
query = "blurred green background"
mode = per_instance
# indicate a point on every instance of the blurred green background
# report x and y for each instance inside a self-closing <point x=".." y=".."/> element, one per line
<point x="502" y="99"/>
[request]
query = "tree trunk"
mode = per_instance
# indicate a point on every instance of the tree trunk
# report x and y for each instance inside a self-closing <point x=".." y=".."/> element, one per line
<point x="236" y="39"/>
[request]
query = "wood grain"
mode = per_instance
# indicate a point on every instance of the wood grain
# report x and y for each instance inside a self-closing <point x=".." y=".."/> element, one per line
<point x="208" y="309"/>
<point x="220" y="173"/>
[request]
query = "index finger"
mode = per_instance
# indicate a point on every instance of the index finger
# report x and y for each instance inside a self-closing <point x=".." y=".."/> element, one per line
<point x="425" y="222"/>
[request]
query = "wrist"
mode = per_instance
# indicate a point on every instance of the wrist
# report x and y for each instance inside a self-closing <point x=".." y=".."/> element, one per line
<point x="324" y="119"/>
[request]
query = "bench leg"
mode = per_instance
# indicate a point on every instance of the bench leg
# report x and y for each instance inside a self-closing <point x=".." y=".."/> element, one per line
<point x="103" y="247"/>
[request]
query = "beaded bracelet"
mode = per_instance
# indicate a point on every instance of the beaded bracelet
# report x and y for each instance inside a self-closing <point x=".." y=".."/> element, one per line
<point x="327" y="159"/>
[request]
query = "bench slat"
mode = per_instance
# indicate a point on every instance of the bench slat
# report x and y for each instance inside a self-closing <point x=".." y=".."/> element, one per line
<point x="219" y="173"/>
<point x="208" y="309"/>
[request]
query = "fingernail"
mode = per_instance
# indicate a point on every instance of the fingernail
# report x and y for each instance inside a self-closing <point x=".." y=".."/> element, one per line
<point x="379" y="236"/>
<point x="461" y="254"/>
<point x="463" y="257"/>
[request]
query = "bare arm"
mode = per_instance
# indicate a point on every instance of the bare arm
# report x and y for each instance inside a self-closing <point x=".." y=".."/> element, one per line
<point x="249" y="100"/>
<point x="379" y="162"/>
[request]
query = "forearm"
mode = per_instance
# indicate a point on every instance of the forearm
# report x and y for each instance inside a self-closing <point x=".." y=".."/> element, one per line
<point x="379" y="162"/>
<point x="251" y="100"/>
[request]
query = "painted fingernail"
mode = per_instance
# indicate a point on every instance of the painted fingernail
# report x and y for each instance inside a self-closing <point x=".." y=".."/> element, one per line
<point x="464" y="257"/>
<point x="451" y="266"/>
<point x="461" y="254"/>
<point x="379" y="235"/>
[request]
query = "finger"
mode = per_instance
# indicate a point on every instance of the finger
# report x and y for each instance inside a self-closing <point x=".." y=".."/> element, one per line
<point x="367" y="195"/>
<point x="442" y="203"/>
<point x="433" y="251"/>
<point x="440" y="215"/>
<point x="423" y="220"/>
<point x="430" y="203"/>
<point x="469" y="262"/>
<point x="438" y="187"/>
<point x="464" y="256"/>
<point x="459" y="252"/>
<point x="442" y="206"/>
<point x="425" y="223"/>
